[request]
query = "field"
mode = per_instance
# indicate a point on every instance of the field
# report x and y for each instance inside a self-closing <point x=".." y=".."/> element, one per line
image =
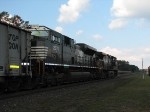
<point x="130" y="94"/>
<point x="122" y="94"/>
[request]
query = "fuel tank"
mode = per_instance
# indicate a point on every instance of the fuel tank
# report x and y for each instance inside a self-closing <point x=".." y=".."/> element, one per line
<point x="77" y="76"/>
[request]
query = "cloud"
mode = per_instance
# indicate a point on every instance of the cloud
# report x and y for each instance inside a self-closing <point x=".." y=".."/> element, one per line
<point x="133" y="55"/>
<point x="117" y="24"/>
<point x="71" y="11"/>
<point x="79" y="32"/>
<point x="111" y="51"/>
<point x="147" y="50"/>
<point x="59" y="29"/>
<point x="97" y="37"/>
<point x="142" y="23"/>
<point x="131" y="8"/>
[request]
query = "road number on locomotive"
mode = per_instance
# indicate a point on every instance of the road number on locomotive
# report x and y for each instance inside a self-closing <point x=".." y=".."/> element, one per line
<point x="13" y="41"/>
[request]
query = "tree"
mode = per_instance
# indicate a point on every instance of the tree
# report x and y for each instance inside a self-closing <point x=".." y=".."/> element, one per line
<point x="125" y="66"/>
<point x="16" y="20"/>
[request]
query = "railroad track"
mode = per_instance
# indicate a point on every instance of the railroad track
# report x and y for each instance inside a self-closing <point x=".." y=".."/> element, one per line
<point x="66" y="85"/>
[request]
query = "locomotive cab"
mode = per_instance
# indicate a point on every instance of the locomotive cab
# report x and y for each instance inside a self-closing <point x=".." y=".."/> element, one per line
<point x="79" y="55"/>
<point x="113" y="62"/>
<point x="102" y="58"/>
<point x="46" y="54"/>
<point x="107" y="63"/>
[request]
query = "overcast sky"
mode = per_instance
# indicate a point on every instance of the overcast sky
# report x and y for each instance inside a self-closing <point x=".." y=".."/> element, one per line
<point x="118" y="27"/>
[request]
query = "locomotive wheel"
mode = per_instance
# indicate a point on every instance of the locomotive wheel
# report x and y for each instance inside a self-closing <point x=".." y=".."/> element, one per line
<point x="13" y="85"/>
<point x="2" y="89"/>
<point x="48" y="83"/>
<point x="38" y="86"/>
<point x="29" y="83"/>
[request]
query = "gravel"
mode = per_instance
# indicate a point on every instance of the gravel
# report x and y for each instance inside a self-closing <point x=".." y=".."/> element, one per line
<point x="55" y="99"/>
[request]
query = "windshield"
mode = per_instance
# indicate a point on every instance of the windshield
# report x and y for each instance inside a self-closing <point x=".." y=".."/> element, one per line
<point x="39" y="33"/>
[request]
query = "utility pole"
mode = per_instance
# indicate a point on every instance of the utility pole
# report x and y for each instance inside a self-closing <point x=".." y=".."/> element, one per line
<point x="142" y="68"/>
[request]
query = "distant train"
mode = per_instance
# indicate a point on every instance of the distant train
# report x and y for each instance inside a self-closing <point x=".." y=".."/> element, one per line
<point x="33" y="56"/>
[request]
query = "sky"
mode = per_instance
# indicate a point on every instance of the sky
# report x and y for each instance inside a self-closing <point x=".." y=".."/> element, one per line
<point x="117" y="27"/>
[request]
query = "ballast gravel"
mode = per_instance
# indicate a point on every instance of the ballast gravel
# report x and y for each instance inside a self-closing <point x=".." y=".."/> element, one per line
<point x="63" y="96"/>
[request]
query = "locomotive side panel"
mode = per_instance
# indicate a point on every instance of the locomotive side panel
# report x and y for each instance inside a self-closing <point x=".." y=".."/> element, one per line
<point x="68" y="51"/>
<point x="88" y="58"/>
<point x="55" y="48"/>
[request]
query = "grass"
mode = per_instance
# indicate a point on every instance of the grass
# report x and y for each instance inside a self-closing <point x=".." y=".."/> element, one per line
<point x="130" y="94"/>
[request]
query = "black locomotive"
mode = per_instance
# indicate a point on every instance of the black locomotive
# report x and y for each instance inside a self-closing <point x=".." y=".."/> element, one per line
<point x="56" y="58"/>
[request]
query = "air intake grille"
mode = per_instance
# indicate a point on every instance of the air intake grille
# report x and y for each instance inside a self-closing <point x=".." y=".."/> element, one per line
<point x="38" y="52"/>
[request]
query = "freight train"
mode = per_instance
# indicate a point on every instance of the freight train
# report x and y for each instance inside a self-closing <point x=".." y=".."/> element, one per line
<point x="32" y="56"/>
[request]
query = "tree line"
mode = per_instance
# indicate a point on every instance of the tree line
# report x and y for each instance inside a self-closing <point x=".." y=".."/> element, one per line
<point x="125" y="66"/>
